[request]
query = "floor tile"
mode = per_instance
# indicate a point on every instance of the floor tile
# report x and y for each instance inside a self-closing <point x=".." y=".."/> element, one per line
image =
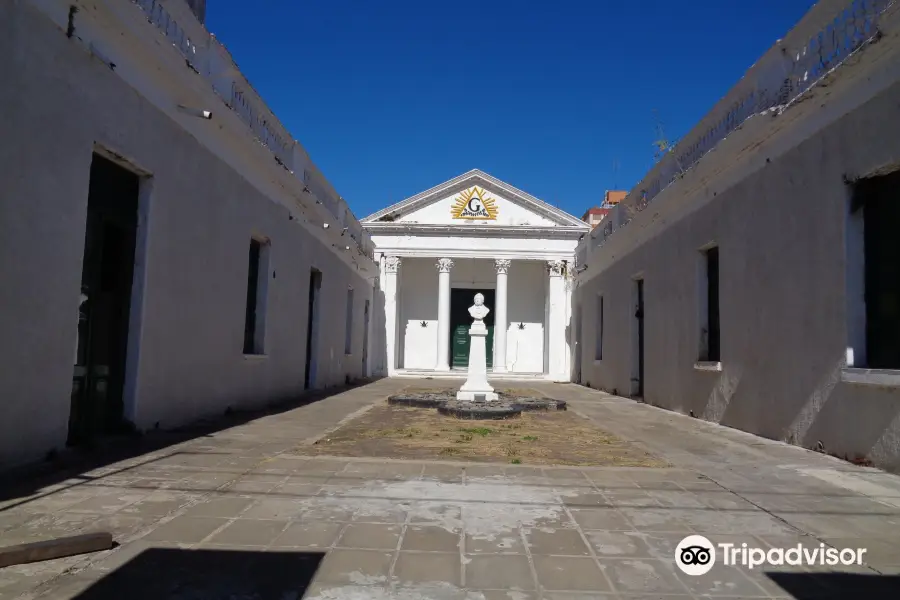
<point x="250" y="532"/>
<point x="226" y="507"/>
<point x="415" y="568"/>
<point x="430" y="538"/>
<point x="188" y="530"/>
<point x="642" y="576"/>
<point x="618" y="544"/>
<point x="569" y="573"/>
<point x="566" y="542"/>
<point x="601" y="518"/>
<point x="509" y="572"/>
<point x="359" y="567"/>
<point x="370" y="536"/>
<point x="308" y="535"/>
<point x="499" y="544"/>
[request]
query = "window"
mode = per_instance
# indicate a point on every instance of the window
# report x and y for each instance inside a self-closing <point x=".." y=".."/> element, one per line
<point x="598" y="353"/>
<point x="709" y="306"/>
<point x="877" y="197"/>
<point x="348" y="335"/>
<point x="257" y="292"/>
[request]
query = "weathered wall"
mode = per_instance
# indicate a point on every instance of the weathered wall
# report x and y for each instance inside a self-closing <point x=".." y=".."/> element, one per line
<point x="781" y="227"/>
<point x="200" y="217"/>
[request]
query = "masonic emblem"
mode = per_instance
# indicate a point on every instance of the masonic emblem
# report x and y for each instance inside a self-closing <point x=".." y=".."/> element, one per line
<point x="474" y="204"/>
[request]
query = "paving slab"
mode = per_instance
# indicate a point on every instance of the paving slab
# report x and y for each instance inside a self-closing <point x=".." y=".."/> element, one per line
<point x="417" y="530"/>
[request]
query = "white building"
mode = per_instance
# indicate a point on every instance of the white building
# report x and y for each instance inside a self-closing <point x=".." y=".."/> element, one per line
<point x="750" y="278"/>
<point x="474" y="234"/>
<point x="131" y="133"/>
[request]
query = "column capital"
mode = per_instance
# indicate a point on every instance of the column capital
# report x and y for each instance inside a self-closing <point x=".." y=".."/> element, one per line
<point x="556" y="267"/>
<point x="444" y="265"/>
<point x="502" y="265"/>
<point x="391" y="264"/>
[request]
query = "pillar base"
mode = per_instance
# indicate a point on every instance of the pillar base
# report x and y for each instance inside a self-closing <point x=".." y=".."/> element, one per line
<point x="476" y="396"/>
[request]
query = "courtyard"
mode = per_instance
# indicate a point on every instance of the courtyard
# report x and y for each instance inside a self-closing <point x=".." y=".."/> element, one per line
<point x="244" y="510"/>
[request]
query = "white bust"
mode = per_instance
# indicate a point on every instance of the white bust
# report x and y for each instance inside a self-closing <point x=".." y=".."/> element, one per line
<point x="479" y="311"/>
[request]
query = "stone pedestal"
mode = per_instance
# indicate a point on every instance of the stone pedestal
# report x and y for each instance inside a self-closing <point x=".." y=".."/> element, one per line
<point x="476" y="387"/>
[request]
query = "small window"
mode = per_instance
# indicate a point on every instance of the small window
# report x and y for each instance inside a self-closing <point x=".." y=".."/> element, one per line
<point x="709" y="306"/>
<point x="257" y="292"/>
<point x="348" y="336"/>
<point x="598" y="353"/>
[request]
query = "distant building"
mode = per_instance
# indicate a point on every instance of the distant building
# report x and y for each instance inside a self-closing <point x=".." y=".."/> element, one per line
<point x="594" y="215"/>
<point x="613" y="197"/>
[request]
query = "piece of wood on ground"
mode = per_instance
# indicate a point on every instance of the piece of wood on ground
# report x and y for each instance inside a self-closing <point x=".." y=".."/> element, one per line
<point x="57" y="548"/>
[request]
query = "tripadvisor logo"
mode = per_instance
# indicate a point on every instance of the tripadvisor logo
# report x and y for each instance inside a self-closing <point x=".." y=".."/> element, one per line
<point x="696" y="555"/>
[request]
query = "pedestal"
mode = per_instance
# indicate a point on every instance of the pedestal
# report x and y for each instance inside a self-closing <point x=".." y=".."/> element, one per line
<point x="476" y="386"/>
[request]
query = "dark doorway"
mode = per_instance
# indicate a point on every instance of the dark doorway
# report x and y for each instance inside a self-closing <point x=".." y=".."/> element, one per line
<point x="365" y="344"/>
<point x="578" y="339"/>
<point x="638" y="380"/>
<point x="106" y="280"/>
<point x="460" y="321"/>
<point x="878" y="197"/>
<point x="312" y="328"/>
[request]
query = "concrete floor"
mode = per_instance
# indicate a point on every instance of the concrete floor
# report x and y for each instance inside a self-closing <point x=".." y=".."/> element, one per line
<point x="233" y="514"/>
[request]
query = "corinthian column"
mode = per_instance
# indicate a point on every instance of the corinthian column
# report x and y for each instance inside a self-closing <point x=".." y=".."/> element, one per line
<point x="443" y="334"/>
<point x="500" y="321"/>
<point x="556" y="322"/>
<point x="390" y="266"/>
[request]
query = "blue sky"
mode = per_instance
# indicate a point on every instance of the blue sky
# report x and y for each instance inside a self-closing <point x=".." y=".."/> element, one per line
<point x="392" y="97"/>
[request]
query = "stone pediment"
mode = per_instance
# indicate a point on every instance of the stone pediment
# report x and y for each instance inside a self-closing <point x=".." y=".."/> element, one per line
<point x="475" y="199"/>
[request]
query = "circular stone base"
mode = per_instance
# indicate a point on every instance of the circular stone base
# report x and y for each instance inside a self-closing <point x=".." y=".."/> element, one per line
<point x="420" y="400"/>
<point x="463" y="409"/>
<point x="539" y="403"/>
<point x="447" y="404"/>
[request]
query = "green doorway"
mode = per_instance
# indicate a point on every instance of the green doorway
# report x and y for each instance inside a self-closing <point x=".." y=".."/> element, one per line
<point x="460" y="321"/>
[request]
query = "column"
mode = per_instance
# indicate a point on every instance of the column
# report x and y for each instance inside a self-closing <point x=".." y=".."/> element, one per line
<point x="390" y="265"/>
<point x="443" y="333"/>
<point x="556" y="325"/>
<point x="500" y="321"/>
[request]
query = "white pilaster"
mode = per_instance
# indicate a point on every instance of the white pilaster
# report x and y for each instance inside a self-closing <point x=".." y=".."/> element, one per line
<point x="443" y="334"/>
<point x="556" y="322"/>
<point x="500" y="320"/>
<point x="390" y="265"/>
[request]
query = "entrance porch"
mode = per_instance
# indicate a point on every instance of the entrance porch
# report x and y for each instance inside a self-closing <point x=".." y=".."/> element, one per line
<point x="427" y="320"/>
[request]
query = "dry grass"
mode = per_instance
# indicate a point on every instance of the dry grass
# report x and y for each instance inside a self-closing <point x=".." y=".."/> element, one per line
<point x="554" y="437"/>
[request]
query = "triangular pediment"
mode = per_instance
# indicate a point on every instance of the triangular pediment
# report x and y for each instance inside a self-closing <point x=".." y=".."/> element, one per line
<point x="475" y="198"/>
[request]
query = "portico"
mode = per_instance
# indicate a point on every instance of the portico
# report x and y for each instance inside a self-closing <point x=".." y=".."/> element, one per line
<point x="475" y="234"/>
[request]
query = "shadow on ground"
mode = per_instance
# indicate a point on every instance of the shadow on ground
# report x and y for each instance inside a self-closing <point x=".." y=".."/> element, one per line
<point x="837" y="585"/>
<point x="169" y="573"/>
<point x="21" y="482"/>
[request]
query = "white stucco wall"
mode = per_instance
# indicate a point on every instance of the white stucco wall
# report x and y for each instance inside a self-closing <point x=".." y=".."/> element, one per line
<point x="774" y="197"/>
<point x="525" y="348"/>
<point x="419" y="302"/>
<point x="199" y="216"/>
